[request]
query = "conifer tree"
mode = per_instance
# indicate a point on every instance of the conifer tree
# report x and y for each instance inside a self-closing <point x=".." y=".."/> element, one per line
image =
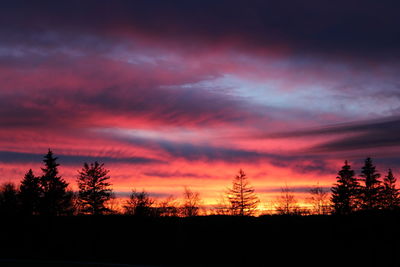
<point x="8" y="199"/>
<point x="344" y="192"/>
<point x="94" y="189"/>
<point x="390" y="194"/>
<point x="370" y="189"/>
<point x="29" y="194"/>
<point x="241" y="196"/>
<point x="55" y="199"/>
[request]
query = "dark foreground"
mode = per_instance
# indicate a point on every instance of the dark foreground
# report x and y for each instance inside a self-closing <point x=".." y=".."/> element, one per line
<point x="362" y="240"/>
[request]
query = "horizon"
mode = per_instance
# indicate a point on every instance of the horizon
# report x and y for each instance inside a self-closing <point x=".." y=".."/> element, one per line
<point x="170" y="93"/>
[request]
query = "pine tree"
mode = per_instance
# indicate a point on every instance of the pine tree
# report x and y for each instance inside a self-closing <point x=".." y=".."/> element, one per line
<point x="94" y="189"/>
<point x="344" y="192"/>
<point x="241" y="196"/>
<point x="8" y="199"/>
<point x="371" y="189"/>
<point x="55" y="199"/>
<point x="29" y="194"/>
<point x="390" y="194"/>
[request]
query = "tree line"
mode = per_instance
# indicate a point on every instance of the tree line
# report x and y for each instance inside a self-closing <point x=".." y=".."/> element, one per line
<point x="365" y="193"/>
<point x="49" y="194"/>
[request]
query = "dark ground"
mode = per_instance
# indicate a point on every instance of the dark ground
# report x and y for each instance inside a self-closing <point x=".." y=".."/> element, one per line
<point x="362" y="240"/>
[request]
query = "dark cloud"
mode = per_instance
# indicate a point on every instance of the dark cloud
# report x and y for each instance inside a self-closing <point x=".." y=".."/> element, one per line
<point x="157" y="195"/>
<point x="296" y="189"/>
<point x="376" y="133"/>
<point x="174" y="106"/>
<point x="208" y="153"/>
<point x="175" y="174"/>
<point x="22" y="157"/>
<point x="368" y="27"/>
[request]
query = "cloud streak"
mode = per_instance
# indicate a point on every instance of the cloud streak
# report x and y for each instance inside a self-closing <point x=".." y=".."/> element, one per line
<point x="375" y="133"/>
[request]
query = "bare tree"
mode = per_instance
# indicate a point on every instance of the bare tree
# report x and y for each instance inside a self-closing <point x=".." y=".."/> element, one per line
<point x="319" y="199"/>
<point x="286" y="202"/>
<point x="113" y="205"/>
<point x="139" y="204"/>
<point x="223" y="207"/>
<point x="241" y="196"/>
<point x="168" y="207"/>
<point x="191" y="203"/>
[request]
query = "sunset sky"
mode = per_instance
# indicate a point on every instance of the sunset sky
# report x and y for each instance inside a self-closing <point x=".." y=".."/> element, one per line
<point x="184" y="93"/>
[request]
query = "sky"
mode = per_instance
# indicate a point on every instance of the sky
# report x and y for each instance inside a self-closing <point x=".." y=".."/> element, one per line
<point x="185" y="93"/>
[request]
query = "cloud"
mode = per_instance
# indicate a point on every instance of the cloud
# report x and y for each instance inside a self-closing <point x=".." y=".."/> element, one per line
<point x="336" y="27"/>
<point x="374" y="133"/>
<point x="176" y="174"/>
<point x="294" y="189"/>
<point x="203" y="152"/>
<point x="22" y="157"/>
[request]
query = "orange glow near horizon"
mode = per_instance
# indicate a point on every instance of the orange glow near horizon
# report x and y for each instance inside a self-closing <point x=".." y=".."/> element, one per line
<point x="165" y="102"/>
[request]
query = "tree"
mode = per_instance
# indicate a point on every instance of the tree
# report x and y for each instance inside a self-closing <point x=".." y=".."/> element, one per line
<point x="319" y="200"/>
<point x="287" y="204"/>
<point x="371" y="189"/>
<point x="390" y="194"/>
<point x="8" y="199"/>
<point x="344" y="192"/>
<point x="168" y="208"/>
<point x="139" y="204"/>
<point x="223" y="207"/>
<point x="191" y="203"/>
<point x="94" y="188"/>
<point x="29" y="194"/>
<point x="55" y="199"/>
<point x="241" y="196"/>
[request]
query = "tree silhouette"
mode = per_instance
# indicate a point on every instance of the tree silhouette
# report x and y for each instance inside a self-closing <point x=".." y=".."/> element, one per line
<point x="390" y="194"/>
<point x="139" y="204"/>
<point x="191" y="203"/>
<point x="319" y="200"/>
<point x="370" y="189"/>
<point x="241" y="196"/>
<point x="8" y="199"/>
<point x="344" y="192"/>
<point x="94" y="188"/>
<point x="29" y="194"/>
<point x="55" y="199"/>
<point x="168" y="208"/>
<point x="287" y="204"/>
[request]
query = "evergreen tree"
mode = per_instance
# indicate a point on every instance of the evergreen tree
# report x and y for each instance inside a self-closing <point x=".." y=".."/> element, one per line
<point x="55" y="199"/>
<point x="344" y="192"/>
<point x="370" y="189"/>
<point x="241" y="196"/>
<point x="94" y="189"/>
<point x="29" y="194"/>
<point x="8" y="199"/>
<point x="390" y="194"/>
